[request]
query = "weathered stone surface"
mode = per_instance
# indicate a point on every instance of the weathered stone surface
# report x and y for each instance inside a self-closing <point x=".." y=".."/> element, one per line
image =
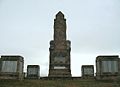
<point x="11" y="67"/>
<point x="33" y="71"/>
<point x="87" y="71"/>
<point x="59" y="50"/>
<point x="107" y="67"/>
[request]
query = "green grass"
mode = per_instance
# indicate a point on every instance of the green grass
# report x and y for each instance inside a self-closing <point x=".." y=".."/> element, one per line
<point x="57" y="83"/>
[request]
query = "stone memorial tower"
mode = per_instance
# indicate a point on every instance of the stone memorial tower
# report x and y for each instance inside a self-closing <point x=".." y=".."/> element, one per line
<point x="59" y="64"/>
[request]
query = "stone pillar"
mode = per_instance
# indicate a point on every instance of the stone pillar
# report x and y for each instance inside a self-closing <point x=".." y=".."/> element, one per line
<point x="87" y="71"/>
<point x="33" y="72"/>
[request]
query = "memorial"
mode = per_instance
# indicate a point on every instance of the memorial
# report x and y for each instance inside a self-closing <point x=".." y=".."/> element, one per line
<point x="33" y="72"/>
<point x="107" y="67"/>
<point x="11" y="67"/>
<point x="87" y="71"/>
<point x="59" y="63"/>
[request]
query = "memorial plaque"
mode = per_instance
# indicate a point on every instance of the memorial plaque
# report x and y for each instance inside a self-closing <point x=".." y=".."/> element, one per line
<point x="9" y="66"/>
<point x="110" y="66"/>
<point x="59" y="67"/>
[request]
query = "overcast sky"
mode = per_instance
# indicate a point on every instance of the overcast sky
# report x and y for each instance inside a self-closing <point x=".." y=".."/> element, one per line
<point x="26" y="28"/>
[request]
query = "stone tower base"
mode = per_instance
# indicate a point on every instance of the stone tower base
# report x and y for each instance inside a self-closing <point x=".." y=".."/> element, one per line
<point x="59" y="73"/>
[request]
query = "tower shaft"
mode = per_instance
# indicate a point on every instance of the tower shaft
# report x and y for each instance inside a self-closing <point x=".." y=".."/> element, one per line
<point x="60" y="31"/>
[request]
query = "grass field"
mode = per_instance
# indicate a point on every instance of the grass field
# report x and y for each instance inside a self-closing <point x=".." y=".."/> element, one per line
<point x="57" y="83"/>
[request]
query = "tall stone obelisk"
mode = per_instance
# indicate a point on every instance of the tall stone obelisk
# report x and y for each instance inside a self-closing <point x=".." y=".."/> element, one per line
<point x="59" y="65"/>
